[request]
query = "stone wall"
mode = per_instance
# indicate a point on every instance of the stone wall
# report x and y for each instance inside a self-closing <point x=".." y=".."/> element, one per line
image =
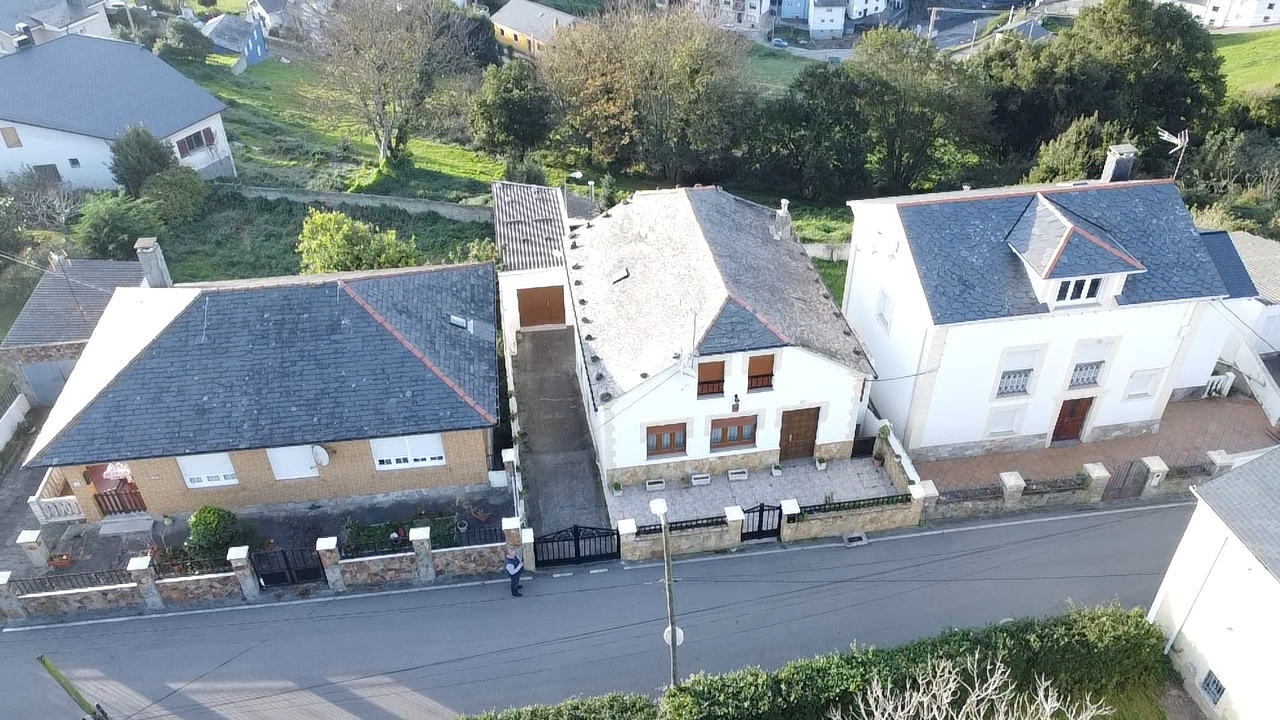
<point x="400" y="568"/>
<point x="1124" y="430"/>
<point x="100" y="599"/>
<point x="12" y="359"/>
<point x="214" y="588"/>
<point x="835" y="524"/>
<point x="1057" y="498"/>
<point x="981" y="447"/>
<point x="473" y="560"/>
<point x="684" y="542"/>
<point x="944" y="509"/>
<point x="680" y="470"/>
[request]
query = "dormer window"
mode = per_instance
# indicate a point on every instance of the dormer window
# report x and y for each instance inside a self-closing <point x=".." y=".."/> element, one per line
<point x="1082" y="290"/>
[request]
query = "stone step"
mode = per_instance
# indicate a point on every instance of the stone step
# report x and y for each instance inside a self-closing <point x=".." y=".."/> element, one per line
<point x="126" y="523"/>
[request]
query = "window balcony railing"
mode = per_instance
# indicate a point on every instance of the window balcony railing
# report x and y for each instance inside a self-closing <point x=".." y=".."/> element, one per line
<point x="759" y="382"/>
<point x="1085" y="374"/>
<point x="1013" y="382"/>
<point x="715" y="387"/>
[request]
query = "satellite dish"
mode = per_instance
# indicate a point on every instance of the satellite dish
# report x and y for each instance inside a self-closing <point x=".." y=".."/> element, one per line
<point x="321" y="455"/>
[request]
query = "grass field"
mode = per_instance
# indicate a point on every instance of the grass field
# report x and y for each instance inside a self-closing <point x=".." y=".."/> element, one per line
<point x="833" y="277"/>
<point x="773" y="70"/>
<point x="1251" y="61"/>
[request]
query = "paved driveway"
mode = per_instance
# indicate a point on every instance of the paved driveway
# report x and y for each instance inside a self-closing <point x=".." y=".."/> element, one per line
<point x="557" y="460"/>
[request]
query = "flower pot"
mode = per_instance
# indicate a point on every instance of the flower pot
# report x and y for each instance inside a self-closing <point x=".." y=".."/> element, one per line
<point x="776" y="470"/>
<point x="820" y="463"/>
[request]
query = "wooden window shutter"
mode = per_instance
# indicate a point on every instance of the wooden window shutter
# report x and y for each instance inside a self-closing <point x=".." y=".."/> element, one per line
<point x="711" y="371"/>
<point x="760" y="365"/>
<point x="182" y="148"/>
<point x="208" y="136"/>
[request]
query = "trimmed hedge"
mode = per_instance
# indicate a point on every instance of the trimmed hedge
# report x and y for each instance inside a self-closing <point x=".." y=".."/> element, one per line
<point x="1088" y="650"/>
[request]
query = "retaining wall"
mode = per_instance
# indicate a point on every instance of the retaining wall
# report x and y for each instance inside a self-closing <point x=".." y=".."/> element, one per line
<point x="399" y="568"/>
<point x="212" y="588"/>
<point x="99" y="599"/>
<point x="473" y="560"/>
<point x="844" y="522"/>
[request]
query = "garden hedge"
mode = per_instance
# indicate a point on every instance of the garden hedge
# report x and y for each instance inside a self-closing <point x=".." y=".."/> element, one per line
<point x="1095" y="650"/>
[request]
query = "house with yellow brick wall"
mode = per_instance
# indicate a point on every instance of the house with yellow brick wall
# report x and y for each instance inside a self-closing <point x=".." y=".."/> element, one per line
<point x="527" y="27"/>
<point x="278" y="390"/>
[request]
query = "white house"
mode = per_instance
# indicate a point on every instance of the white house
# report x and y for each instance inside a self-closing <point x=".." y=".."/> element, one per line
<point x="864" y="10"/>
<point x="1232" y="13"/>
<point x="65" y="101"/>
<point x="1217" y="602"/>
<point x="34" y="22"/>
<point x="1011" y="318"/>
<point x="826" y="19"/>
<point x="739" y="14"/>
<point x="270" y="12"/>
<point x="707" y="341"/>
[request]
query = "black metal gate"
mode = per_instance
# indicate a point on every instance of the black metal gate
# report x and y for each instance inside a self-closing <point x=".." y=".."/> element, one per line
<point x="1126" y="484"/>
<point x="761" y="521"/>
<point x="577" y="544"/>
<point x="287" y="566"/>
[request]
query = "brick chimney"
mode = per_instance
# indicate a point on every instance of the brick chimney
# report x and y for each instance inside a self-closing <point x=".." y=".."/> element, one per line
<point x="155" y="273"/>
<point x="782" y="221"/>
<point x="1119" y="165"/>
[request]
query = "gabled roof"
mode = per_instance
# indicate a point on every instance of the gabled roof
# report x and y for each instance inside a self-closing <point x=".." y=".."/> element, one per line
<point x="278" y="362"/>
<point x="671" y="273"/>
<point x="1247" y="499"/>
<point x="271" y="6"/>
<point x="1058" y="243"/>
<point x="1229" y="263"/>
<point x="52" y="13"/>
<point x="1261" y="257"/>
<point x="529" y="225"/>
<point x="99" y="87"/>
<point x="961" y="246"/>
<point x="67" y="302"/>
<point x="229" y="32"/>
<point x="537" y="21"/>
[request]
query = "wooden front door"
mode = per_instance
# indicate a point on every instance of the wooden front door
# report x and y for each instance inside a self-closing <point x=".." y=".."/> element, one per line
<point x="1071" y="419"/>
<point x="541" y="306"/>
<point x="799" y="433"/>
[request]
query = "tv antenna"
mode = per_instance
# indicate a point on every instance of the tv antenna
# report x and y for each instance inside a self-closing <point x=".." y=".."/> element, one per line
<point x="1179" y="143"/>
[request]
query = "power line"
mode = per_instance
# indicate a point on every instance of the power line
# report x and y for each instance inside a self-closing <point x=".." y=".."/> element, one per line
<point x="55" y="273"/>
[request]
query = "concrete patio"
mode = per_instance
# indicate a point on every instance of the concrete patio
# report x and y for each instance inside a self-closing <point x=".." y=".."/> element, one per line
<point x="842" y="480"/>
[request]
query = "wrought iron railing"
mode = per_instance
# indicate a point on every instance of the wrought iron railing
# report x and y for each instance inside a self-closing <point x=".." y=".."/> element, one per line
<point x="982" y="492"/>
<point x="188" y="568"/>
<point x="370" y="548"/>
<point x="7" y="396"/>
<point x="71" y="581"/>
<point x="1085" y="374"/>
<point x="678" y="525"/>
<point x="1013" y="382"/>
<point x="467" y="538"/>
<point x="860" y="504"/>
<point x="1060" y="483"/>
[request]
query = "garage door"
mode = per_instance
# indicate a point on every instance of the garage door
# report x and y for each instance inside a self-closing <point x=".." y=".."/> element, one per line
<point x="541" y="306"/>
<point x="47" y="378"/>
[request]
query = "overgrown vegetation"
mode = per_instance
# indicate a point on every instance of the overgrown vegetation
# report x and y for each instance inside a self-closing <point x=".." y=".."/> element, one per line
<point x="331" y="241"/>
<point x="1250" y="61"/>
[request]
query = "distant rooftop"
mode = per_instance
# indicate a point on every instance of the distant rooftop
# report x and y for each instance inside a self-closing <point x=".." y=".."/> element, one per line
<point x="537" y="21"/>
<point x="1261" y="256"/>
<point x="50" y="13"/>
<point x="67" y="302"/>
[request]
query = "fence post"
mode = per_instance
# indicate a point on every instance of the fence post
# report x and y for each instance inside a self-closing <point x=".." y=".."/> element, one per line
<point x="1099" y="478"/>
<point x="511" y="531"/>
<point x="1012" y="485"/>
<point x="36" y="550"/>
<point x="145" y="575"/>
<point x="526" y="542"/>
<point x="1221" y="461"/>
<point x="627" y="540"/>
<point x="790" y="512"/>
<point x="421" y="539"/>
<point x="327" y="549"/>
<point x="1156" y="472"/>
<point x="10" y="606"/>
<point x="239" y="558"/>
<point x="917" y="501"/>
<point x="930" y="499"/>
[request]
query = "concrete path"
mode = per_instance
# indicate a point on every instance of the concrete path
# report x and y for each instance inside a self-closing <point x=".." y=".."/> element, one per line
<point x="557" y="461"/>
<point x="426" y="654"/>
<point x="453" y="211"/>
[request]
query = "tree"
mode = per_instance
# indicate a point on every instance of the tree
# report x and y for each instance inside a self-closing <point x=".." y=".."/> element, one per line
<point x="513" y="113"/>
<point x="12" y="239"/>
<point x="110" y="223"/>
<point x="137" y="155"/>
<point x="332" y="241"/>
<point x="482" y="41"/>
<point x="42" y="204"/>
<point x="1078" y="153"/>
<point x="183" y="42"/>
<point x="383" y="59"/>
<point x="179" y="194"/>
<point x="526" y="171"/>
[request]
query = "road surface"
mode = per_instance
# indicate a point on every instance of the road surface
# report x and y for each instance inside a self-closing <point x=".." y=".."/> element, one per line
<point x="429" y="654"/>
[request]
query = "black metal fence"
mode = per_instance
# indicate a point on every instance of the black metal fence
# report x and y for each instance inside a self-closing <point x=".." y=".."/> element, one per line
<point x="71" y="581"/>
<point x="855" y="504"/>
<point x="369" y="548"/>
<point x="1060" y="483"/>
<point x="188" y="568"/>
<point x="8" y="395"/>
<point x="466" y="538"/>
<point x="982" y="492"/>
<point x="677" y="526"/>
<point x="1196" y="469"/>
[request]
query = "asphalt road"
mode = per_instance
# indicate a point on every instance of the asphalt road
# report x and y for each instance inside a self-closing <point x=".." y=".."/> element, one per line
<point x="428" y="654"/>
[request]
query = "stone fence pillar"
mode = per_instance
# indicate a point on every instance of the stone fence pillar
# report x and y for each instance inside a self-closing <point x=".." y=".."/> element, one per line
<point x="511" y="530"/>
<point x="627" y="540"/>
<point x="1221" y="461"/>
<point x="526" y="542"/>
<point x="790" y="516"/>
<point x="733" y="517"/>
<point x="929" y="500"/>
<point x="421" y="539"/>
<point x="145" y="575"/>
<point x="917" y="501"/>
<point x="327" y="549"/>
<point x="1099" y="477"/>
<point x="1012" y="485"/>
<point x="1156" y="472"/>
<point x="239" y="558"/>
<point x="10" y="606"/>
<point x="35" y="548"/>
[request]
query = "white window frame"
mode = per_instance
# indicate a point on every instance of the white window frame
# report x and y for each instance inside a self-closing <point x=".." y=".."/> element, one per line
<point x="208" y="470"/>
<point x="884" y="310"/>
<point x="1148" y="387"/>
<point x="996" y="424"/>
<point x="282" y="463"/>
<point x="1079" y="291"/>
<point x="408" y="451"/>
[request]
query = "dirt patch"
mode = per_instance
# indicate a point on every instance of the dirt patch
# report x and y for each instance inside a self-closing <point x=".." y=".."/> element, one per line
<point x="1178" y="705"/>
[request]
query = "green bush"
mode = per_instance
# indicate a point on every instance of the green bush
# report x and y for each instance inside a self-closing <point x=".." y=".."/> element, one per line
<point x="604" y="707"/>
<point x="110" y="223"/>
<point x="136" y="156"/>
<point x="183" y="42"/>
<point x="525" y="171"/>
<point x="212" y="530"/>
<point x="179" y="194"/>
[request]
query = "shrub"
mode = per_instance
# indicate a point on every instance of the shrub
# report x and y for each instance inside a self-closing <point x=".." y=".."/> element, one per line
<point x="331" y="241"/>
<point x="183" y="42"/>
<point x="179" y="194"/>
<point x="212" y="531"/>
<point x="525" y="171"/>
<point x="110" y="223"/>
<point x="137" y="155"/>
<point x="615" y="706"/>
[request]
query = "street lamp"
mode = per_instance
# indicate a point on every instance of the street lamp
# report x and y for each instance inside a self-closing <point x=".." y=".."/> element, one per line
<point x="673" y="635"/>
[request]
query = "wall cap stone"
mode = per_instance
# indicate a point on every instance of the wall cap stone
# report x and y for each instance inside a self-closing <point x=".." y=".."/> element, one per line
<point x="526" y="536"/>
<point x="917" y="492"/>
<point x="28" y="537"/>
<point x="56" y="593"/>
<point x="418" y="534"/>
<point x="139" y="563"/>
<point x="1155" y="464"/>
<point x="407" y="553"/>
<point x="239" y="552"/>
<point x="4" y="576"/>
<point x="1012" y="480"/>
<point x="189" y="578"/>
<point x="1096" y="471"/>
<point x="326" y="543"/>
<point x="627" y="526"/>
<point x="791" y="507"/>
<point x="509" y="455"/>
<point x="734" y="513"/>
<point x="930" y="488"/>
<point x="510" y="524"/>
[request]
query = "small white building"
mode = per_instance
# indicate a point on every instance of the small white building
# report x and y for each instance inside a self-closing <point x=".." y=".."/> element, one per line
<point x="1232" y="13"/>
<point x="738" y="14"/>
<point x="529" y="226"/>
<point x="1011" y="318"/>
<point x="34" y="22"/>
<point x="1217" y="603"/>
<point x="707" y="340"/>
<point x="65" y="101"/>
<point x="826" y="19"/>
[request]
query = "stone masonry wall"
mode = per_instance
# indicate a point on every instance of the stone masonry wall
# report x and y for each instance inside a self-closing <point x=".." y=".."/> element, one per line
<point x="216" y="588"/>
<point x="684" y="542"/>
<point x="944" y="509"/>
<point x="11" y="359"/>
<point x="65" y="602"/>
<point x="380" y="570"/>
<point x="834" y="524"/>
<point x="474" y="560"/>
<point x="981" y="447"/>
<point x="1054" y="499"/>
<point x="718" y="464"/>
<point x="1124" y="430"/>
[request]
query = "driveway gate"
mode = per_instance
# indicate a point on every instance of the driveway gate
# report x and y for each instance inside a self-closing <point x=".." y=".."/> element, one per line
<point x="287" y="566"/>
<point x="577" y="544"/>
<point x="761" y="521"/>
<point x="1126" y="484"/>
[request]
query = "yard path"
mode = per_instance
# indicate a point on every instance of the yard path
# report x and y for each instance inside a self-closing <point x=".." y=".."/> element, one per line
<point x="453" y="211"/>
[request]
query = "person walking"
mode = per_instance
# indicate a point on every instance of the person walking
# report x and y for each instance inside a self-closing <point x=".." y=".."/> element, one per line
<point x="515" y="566"/>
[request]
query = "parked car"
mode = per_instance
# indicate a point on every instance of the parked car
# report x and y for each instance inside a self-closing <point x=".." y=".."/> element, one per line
<point x="779" y="43"/>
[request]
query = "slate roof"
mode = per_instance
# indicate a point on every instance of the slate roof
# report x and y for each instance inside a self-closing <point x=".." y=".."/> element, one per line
<point x="67" y="302"/>
<point x="229" y="32"/>
<point x="1229" y="263"/>
<point x="674" y="272"/>
<point x="98" y="87"/>
<point x="529" y="225"/>
<point x="530" y="18"/>
<point x="1261" y="256"/>
<point x="278" y="362"/>
<point x="53" y="13"/>
<point x="1247" y="499"/>
<point x="1031" y="29"/>
<point x="969" y="271"/>
<point x="1058" y="243"/>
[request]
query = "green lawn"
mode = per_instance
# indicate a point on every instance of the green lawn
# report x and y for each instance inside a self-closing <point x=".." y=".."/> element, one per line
<point x="1251" y="61"/>
<point x="16" y="283"/>
<point x="833" y="276"/>
<point x="773" y="70"/>
<point x="227" y="6"/>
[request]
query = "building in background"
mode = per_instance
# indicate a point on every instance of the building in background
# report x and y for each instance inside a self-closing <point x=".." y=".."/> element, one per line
<point x="1232" y="13"/>
<point x="34" y="22"/>
<point x="527" y="28"/>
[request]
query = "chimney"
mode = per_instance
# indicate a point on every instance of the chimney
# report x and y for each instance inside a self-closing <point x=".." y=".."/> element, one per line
<point x="782" y="221"/>
<point x="1119" y="166"/>
<point x="24" y="38"/>
<point x="154" y="271"/>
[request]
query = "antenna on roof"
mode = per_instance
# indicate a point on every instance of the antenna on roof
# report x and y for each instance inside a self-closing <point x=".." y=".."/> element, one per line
<point x="1179" y="142"/>
<point x="690" y="359"/>
<point x="204" y="329"/>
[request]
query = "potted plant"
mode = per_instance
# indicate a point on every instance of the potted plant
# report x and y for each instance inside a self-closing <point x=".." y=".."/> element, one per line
<point x="617" y="488"/>
<point x="877" y="457"/>
<point x="820" y="463"/>
<point x="59" y="560"/>
<point x="776" y="470"/>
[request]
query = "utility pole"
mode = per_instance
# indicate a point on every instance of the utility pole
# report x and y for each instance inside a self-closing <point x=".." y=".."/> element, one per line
<point x="673" y="635"/>
<point x="95" y="711"/>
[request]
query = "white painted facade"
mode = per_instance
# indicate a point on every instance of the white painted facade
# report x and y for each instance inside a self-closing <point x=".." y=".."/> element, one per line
<point x="1218" y="603"/>
<point x="861" y="9"/>
<point x="95" y="25"/>
<point x="1233" y="13"/>
<point x="85" y="161"/>
<point x="938" y="384"/>
<point x="743" y="13"/>
<point x="1238" y="332"/>
<point x="511" y="282"/>
<point x="825" y="21"/>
